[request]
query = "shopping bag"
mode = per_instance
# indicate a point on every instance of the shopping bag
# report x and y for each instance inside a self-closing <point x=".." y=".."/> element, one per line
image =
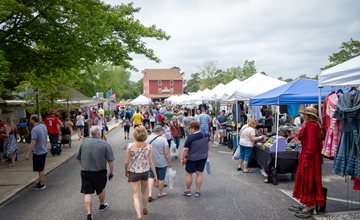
<point x="208" y="167"/>
<point x="174" y="153"/>
<point x="170" y="177"/>
<point x="236" y="154"/>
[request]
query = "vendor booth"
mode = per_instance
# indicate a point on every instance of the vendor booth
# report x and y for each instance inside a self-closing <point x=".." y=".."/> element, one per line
<point x="141" y="100"/>
<point x="300" y="91"/>
<point x="341" y="120"/>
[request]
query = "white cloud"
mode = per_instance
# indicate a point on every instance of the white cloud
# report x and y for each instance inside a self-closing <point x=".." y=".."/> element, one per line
<point x="284" y="37"/>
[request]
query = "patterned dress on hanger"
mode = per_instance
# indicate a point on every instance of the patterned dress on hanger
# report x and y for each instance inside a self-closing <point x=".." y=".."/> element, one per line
<point x="332" y="137"/>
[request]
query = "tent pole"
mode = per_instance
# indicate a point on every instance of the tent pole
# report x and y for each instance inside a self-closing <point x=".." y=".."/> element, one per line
<point x="319" y="102"/>
<point x="277" y="133"/>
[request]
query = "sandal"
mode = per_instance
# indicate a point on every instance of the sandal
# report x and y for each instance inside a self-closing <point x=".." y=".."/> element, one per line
<point x="247" y="171"/>
<point x="239" y="169"/>
<point x="304" y="214"/>
<point x="163" y="194"/>
<point x="295" y="208"/>
<point x="150" y="199"/>
<point x="145" y="211"/>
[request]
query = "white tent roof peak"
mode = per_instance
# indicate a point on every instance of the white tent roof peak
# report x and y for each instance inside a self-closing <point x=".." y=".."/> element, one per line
<point x="141" y="100"/>
<point x="343" y="74"/>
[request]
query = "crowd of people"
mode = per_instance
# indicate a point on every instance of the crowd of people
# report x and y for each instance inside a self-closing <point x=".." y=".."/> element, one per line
<point x="155" y="131"/>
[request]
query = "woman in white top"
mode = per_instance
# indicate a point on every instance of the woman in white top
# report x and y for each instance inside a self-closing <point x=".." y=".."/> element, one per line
<point x="247" y="139"/>
<point x="80" y="124"/>
<point x="138" y="162"/>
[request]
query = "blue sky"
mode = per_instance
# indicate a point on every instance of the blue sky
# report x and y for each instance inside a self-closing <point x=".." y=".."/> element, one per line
<point x="284" y="37"/>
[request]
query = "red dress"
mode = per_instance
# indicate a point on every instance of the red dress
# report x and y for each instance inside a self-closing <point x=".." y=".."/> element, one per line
<point x="308" y="183"/>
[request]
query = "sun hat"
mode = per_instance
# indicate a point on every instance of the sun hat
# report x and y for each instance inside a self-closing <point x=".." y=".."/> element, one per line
<point x="311" y="111"/>
<point x="158" y="128"/>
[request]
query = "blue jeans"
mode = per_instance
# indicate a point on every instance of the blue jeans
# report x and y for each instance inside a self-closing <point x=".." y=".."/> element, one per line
<point x="177" y="142"/>
<point x="245" y="153"/>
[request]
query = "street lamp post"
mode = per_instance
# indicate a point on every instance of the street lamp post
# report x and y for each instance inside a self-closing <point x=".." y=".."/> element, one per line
<point x="37" y="101"/>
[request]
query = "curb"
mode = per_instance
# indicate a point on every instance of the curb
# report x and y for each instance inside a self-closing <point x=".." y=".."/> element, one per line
<point x="5" y="201"/>
<point x="338" y="215"/>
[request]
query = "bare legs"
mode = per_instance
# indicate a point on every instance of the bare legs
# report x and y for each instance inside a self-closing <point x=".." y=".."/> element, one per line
<point x="243" y="164"/>
<point x="88" y="201"/>
<point x="42" y="177"/>
<point x="198" y="181"/>
<point x="136" y="187"/>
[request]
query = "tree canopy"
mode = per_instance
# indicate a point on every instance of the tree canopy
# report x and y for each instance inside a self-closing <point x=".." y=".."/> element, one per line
<point x="347" y="51"/>
<point x="50" y="44"/>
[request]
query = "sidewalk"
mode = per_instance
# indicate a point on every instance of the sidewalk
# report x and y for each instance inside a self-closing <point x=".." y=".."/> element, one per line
<point x="14" y="179"/>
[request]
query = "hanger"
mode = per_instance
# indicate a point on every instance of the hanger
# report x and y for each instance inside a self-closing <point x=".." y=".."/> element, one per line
<point x="340" y="91"/>
<point x="353" y="89"/>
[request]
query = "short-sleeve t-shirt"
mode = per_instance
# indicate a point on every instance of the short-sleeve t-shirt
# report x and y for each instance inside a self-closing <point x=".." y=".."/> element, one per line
<point x="197" y="150"/>
<point x="137" y="119"/>
<point x="39" y="133"/>
<point x="221" y="119"/>
<point x="94" y="153"/>
<point x="52" y="122"/>
<point x="187" y="120"/>
<point x="204" y="121"/>
<point x="158" y="146"/>
<point x="80" y="120"/>
<point x="245" y="136"/>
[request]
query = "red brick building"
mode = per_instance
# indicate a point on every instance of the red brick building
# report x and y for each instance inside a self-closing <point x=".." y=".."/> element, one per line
<point x="162" y="83"/>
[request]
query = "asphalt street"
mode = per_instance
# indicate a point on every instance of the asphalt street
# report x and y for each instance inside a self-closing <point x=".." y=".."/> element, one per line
<point x="226" y="194"/>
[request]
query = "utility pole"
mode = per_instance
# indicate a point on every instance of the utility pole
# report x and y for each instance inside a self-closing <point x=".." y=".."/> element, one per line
<point x="37" y="102"/>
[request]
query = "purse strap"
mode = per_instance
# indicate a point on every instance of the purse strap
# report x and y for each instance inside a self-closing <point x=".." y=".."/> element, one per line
<point x="137" y="156"/>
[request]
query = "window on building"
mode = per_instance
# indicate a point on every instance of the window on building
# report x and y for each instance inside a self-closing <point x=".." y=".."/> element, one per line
<point x="159" y="90"/>
<point x="171" y="82"/>
<point x="159" y="82"/>
<point x="171" y="90"/>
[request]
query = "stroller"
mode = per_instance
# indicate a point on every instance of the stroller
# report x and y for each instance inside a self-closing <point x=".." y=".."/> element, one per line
<point x="66" y="136"/>
<point x="146" y="123"/>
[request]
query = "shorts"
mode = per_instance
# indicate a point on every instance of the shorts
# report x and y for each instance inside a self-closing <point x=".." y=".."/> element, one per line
<point x="195" y="166"/>
<point x="92" y="181"/>
<point x="39" y="162"/>
<point x="127" y="128"/>
<point x="80" y="126"/>
<point x="54" y="138"/>
<point x="160" y="172"/>
<point x="245" y="153"/>
<point x="1" y="146"/>
<point x="134" y="177"/>
<point x="136" y="125"/>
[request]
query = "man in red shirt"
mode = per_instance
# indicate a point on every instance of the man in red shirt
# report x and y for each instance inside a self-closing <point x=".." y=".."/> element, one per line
<point x="53" y="123"/>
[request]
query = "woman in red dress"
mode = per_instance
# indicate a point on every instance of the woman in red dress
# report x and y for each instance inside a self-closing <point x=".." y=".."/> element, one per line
<point x="308" y="183"/>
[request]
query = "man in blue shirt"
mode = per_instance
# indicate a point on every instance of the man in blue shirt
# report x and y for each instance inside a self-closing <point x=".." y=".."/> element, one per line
<point x="38" y="146"/>
<point x="204" y="121"/>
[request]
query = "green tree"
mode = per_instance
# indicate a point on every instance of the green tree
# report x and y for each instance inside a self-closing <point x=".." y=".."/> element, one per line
<point x="347" y="51"/>
<point x="193" y="84"/>
<point x="57" y="40"/>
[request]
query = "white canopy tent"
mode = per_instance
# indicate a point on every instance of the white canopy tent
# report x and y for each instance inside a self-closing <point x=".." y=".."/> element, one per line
<point x="231" y="87"/>
<point x="253" y="86"/>
<point x="217" y="92"/>
<point x="141" y="100"/>
<point x="343" y="74"/>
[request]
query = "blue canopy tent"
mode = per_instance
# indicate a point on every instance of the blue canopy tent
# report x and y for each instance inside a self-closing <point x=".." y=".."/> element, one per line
<point x="300" y="91"/>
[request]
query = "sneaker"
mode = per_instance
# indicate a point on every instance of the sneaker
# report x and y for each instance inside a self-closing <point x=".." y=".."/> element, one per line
<point x="104" y="206"/>
<point x="38" y="186"/>
<point x="89" y="217"/>
<point x="197" y="194"/>
<point x="187" y="193"/>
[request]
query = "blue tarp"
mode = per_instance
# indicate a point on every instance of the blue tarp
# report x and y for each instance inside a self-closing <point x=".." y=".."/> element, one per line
<point x="300" y="91"/>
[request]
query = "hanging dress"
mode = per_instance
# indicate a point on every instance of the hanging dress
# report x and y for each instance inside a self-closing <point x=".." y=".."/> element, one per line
<point x="347" y="160"/>
<point x="333" y="132"/>
<point x="308" y="183"/>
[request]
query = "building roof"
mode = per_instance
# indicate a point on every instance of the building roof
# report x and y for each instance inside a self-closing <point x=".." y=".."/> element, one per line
<point x="163" y="74"/>
<point x="154" y="96"/>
